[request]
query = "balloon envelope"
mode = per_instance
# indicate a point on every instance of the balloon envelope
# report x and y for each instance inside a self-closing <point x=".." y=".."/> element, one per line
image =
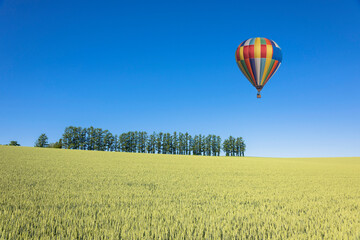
<point x="258" y="59"/>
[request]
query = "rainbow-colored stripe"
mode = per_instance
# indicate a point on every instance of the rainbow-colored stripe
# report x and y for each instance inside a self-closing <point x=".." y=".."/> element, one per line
<point x="258" y="59"/>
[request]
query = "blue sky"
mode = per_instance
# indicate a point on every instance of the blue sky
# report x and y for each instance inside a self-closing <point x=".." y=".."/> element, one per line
<point x="170" y="66"/>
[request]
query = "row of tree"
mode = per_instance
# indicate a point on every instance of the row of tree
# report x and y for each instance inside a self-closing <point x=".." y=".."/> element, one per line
<point x="139" y="141"/>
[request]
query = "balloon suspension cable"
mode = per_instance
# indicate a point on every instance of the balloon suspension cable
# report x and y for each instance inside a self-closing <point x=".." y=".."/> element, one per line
<point x="258" y="94"/>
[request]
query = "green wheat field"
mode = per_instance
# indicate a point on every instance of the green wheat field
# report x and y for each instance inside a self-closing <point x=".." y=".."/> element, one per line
<point x="72" y="194"/>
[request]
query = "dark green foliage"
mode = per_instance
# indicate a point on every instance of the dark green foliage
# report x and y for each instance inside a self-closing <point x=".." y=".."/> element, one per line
<point x="139" y="141"/>
<point x="108" y="141"/>
<point x="42" y="141"/>
<point x="151" y="143"/>
<point x="115" y="146"/>
<point x="159" y="142"/>
<point x="234" y="147"/>
<point x="14" y="143"/>
<point x="56" y="144"/>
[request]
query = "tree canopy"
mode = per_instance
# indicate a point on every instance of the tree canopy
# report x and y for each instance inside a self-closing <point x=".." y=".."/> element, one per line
<point x="14" y="143"/>
<point x="141" y="142"/>
<point x="42" y="141"/>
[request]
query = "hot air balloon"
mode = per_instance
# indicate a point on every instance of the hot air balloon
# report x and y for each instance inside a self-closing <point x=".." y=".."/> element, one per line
<point x="258" y="59"/>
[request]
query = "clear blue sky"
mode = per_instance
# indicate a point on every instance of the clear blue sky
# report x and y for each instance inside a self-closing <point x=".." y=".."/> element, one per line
<point x="170" y="66"/>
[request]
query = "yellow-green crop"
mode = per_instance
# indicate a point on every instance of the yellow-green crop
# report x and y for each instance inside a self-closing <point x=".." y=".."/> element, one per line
<point x="70" y="194"/>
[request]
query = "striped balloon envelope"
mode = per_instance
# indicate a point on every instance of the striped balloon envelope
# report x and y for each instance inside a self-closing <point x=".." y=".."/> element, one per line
<point x="258" y="59"/>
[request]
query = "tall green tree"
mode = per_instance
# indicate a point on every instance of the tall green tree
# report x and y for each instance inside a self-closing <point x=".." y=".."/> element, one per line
<point x="226" y="147"/>
<point x="232" y="145"/>
<point x="99" y="139"/>
<point x="42" y="141"/>
<point x="218" y="145"/>
<point x="242" y="147"/>
<point x="174" y="143"/>
<point x="133" y="141"/>
<point x="195" y="146"/>
<point x="201" y="145"/>
<point x="167" y="142"/>
<point x="181" y="144"/>
<point x="151" y="143"/>
<point x="90" y="139"/>
<point x="116" y="143"/>
<point x="190" y="144"/>
<point x="108" y="141"/>
<point x="143" y="140"/>
<point x="213" y="145"/>
<point x="77" y="137"/>
<point x="123" y="142"/>
<point x="208" y="145"/>
<point x="159" y="142"/>
<point x="83" y="139"/>
<point x="68" y="137"/>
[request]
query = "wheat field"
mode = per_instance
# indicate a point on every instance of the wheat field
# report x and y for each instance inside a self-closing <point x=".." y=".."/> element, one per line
<point x="71" y="194"/>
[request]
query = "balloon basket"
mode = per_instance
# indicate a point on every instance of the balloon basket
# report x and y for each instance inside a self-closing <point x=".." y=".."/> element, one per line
<point x="258" y="95"/>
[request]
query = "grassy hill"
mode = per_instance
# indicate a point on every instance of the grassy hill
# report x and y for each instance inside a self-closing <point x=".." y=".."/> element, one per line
<point x="54" y="193"/>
